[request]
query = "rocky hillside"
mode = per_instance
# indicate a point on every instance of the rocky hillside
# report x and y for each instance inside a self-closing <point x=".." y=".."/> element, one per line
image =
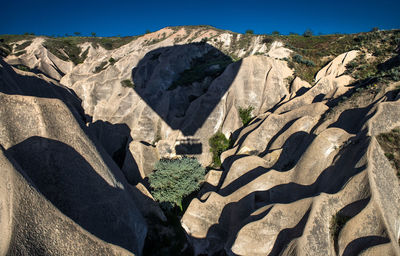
<point x="310" y="168"/>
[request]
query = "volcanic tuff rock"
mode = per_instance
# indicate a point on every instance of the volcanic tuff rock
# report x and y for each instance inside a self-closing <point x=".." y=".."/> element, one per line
<point x="58" y="183"/>
<point x="160" y="119"/>
<point x="299" y="184"/>
<point x="305" y="177"/>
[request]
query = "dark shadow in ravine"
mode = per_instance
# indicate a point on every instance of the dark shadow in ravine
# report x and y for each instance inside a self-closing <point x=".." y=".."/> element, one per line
<point x="349" y="211"/>
<point x="114" y="138"/>
<point x="351" y="120"/>
<point x="358" y="245"/>
<point x="68" y="181"/>
<point x="330" y="181"/>
<point x="184" y="83"/>
<point x="292" y="150"/>
<point x="288" y="234"/>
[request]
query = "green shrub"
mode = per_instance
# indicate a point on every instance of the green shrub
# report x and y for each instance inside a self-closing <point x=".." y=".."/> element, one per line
<point x="127" y="83"/>
<point x="112" y="61"/>
<point x="245" y="114"/>
<point x="275" y="33"/>
<point x="390" y="143"/>
<point x="394" y="74"/>
<point x="308" y="33"/>
<point x="22" y="67"/>
<point x="249" y="32"/>
<point x="267" y="40"/>
<point x="299" y="59"/>
<point x="201" y="68"/>
<point x="173" y="179"/>
<point x="23" y="45"/>
<point x="5" y="49"/>
<point x="218" y="144"/>
<point x="100" y="67"/>
<point x="19" y="53"/>
<point x="65" y="49"/>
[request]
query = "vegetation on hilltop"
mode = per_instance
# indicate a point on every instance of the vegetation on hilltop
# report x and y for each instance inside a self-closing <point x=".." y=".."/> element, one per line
<point x="66" y="48"/>
<point x="311" y="52"/>
<point x="211" y="64"/>
<point x="322" y="49"/>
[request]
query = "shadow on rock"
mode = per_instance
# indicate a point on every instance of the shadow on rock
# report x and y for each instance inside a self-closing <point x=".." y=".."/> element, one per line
<point x="66" y="179"/>
<point x="172" y="81"/>
<point x="233" y="216"/>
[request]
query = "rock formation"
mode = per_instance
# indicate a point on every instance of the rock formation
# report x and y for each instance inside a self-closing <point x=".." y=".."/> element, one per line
<point x="299" y="184"/>
<point x="79" y="134"/>
<point x="55" y="177"/>
<point x="160" y="119"/>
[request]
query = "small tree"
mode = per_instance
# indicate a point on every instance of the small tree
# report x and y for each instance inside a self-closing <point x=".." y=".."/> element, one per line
<point x="204" y="40"/>
<point x="218" y="144"/>
<point x="250" y="32"/>
<point x="308" y="33"/>
<point x="275" y="33"/>
<point x="93" y="34"/>
<point x="173" y="179"/>
<point x="374" y="29"/>
<point x="77" y="33"/>
<point x="245" y="115"/>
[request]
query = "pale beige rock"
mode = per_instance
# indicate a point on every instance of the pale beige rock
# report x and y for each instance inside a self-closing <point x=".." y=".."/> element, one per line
<point x="289" y="173"/>
<point x="278" y="51"/>
<point x="69" y="176"/>
<point x="330" y="83"/>
<point x="337" y="66"/>
<point x="43" y="147"/>
<point x="38" y="57"/>
<point x="278" y="209"/>
<point x="297" y="85"/>
<point x="258" y="82"/>
<point x="31" y="225"/>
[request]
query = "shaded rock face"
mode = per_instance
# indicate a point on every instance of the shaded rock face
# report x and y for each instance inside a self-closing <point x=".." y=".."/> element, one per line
<point x="31" y="225"/>
<point x="301" y="182"/>
<point x="169" y="113"/>
<point x="63" y="189"/>
<point x="302" y="178"/>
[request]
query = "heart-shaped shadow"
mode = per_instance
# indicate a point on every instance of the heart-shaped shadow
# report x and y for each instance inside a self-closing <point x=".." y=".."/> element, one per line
<point x="183" y="84"/>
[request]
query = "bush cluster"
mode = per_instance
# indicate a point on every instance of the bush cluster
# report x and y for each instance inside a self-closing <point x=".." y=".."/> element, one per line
<point x="127" y="83"/>
<point x="218" y="144"/>
<point x="245" y="114"/>
<point x="100" y="67"/>
<point x="173" y="179"/>
<point x="200" y="68"/>
<point x="299" y="59"/>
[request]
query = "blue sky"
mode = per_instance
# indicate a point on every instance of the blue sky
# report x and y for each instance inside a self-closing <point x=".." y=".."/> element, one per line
<point x="122" y="17"/>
